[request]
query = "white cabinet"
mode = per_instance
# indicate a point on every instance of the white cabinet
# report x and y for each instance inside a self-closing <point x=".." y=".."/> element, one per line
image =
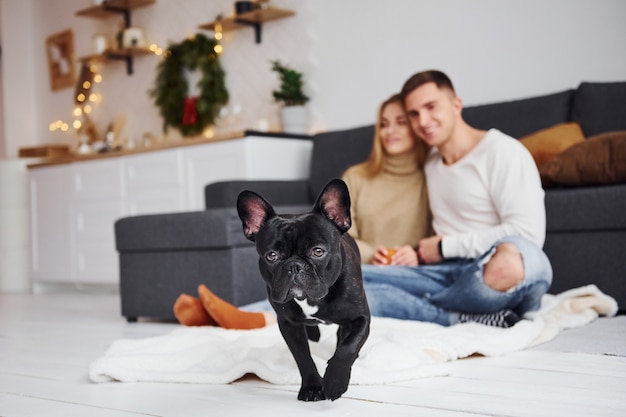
<point x="252" y="157"/>
<point x="95" y="202"/>
<point x="74" y="205"/>
<point x="154" y="183"/>
<point x="50" y="219"/>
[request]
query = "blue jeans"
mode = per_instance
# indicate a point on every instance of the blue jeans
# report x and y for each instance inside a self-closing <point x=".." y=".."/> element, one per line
<point x="434" y="293"/>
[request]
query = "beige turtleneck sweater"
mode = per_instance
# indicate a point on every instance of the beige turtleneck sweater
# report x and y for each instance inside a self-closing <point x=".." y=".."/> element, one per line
<point x="390" y="209"/>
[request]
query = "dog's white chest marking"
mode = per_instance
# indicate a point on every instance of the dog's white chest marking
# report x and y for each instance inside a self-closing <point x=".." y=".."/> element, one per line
<point x="307" y="309"/>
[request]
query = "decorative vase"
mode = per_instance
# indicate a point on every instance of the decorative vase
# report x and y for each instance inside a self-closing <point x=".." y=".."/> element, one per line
<point x="294" y="119"/>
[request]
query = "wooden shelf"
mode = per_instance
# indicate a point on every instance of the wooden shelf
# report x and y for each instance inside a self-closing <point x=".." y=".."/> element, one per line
<point x="126" y="54"/>
<point x="117" y="54"/>
<point x="112" y="8"/>
<point x="123" y="53"/>
<point x="253" y="18"/>
<point x="49" y="151"/>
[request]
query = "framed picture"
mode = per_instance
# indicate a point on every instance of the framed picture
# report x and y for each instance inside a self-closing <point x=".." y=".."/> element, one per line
<point x="60" y="50"/>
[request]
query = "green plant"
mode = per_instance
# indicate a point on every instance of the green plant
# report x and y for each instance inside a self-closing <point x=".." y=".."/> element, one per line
<point x="290" y="92"/>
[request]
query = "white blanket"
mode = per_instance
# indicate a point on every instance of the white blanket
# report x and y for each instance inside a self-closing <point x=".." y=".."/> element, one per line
<point x="396" y="350"/>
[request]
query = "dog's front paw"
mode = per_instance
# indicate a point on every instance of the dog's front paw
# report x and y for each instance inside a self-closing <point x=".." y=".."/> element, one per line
<point x="311" y="393"/>
<point x="336" y="382"/>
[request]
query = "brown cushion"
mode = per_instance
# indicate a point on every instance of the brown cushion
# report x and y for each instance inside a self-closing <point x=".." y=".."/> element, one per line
<point x="601" y="159"/>
<point x="547" y="143"/>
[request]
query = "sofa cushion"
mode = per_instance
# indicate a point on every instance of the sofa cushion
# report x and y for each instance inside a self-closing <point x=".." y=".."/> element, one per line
<point x="594" y="208"/>
<point x="547" y="143"/>
<point x="600" y="107"/>
<point x="600" y="159"/>
<point x="521" y="117"/>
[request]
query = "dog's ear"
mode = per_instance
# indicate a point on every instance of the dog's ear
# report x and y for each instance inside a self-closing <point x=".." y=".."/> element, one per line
<point x="254" y="211"/>
<point x="334" y="203"/>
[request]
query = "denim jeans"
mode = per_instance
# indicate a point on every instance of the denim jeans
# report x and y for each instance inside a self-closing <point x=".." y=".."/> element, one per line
<point x="435" y="292"/>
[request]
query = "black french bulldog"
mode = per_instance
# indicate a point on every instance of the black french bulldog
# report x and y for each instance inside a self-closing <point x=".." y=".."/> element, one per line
<point x="312" y="270"/>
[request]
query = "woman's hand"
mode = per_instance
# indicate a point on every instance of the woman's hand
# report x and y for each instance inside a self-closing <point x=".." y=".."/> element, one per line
<point x="399" y="255"/>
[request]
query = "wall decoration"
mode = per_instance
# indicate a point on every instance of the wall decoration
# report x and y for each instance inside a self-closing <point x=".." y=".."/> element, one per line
<point x="60" y="51"/>
<point x="189" y="113"/>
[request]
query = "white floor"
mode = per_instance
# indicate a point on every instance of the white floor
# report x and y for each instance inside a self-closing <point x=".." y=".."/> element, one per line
<point x="48" y="341"/>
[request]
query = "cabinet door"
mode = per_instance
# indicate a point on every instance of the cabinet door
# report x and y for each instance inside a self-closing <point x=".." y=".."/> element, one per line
<point x="49" y="196"/>
<point x="206" y="164"/>
<point x="96" y="203"/>
<point x="94" y="258"/>
<point x="155" y="182"/>
<point x="99" y="180"/>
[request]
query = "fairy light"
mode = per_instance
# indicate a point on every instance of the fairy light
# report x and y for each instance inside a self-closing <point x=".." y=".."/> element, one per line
<point x="156" y="49"/>
<point x="218" y="37"/>
<point x="84" y="101"/>
<point x="56" y="125"/>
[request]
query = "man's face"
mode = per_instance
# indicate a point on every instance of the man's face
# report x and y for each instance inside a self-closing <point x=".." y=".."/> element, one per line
<point x="433" y="113"/>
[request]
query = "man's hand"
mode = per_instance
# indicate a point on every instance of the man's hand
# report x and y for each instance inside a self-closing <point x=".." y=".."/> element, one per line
<point x="428" y="250"/>
<point x="403" y="255"/>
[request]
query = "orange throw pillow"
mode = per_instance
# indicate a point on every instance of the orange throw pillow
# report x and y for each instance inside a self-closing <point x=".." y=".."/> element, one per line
<point x="547" y="143"/>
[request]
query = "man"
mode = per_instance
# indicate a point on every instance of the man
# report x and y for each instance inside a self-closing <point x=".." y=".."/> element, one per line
<point x="485" y="263"/>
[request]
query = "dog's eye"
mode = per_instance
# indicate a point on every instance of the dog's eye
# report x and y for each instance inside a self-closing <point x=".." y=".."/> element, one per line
<point x="271" y="256"/>
<point x="318" y="252"/>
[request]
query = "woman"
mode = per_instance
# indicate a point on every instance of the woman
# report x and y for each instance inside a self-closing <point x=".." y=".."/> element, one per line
<point x="390" y="210"/>
<point x="389" y="214"/>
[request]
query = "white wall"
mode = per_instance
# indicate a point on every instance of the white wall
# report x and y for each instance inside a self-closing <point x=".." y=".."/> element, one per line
<point x="18" y="91"/>
<point x="492" y="49"/>
<point x="354" y="54"/>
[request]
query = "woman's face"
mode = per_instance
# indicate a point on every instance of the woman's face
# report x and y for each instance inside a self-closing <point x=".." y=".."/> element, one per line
<point x="395" y="133"/>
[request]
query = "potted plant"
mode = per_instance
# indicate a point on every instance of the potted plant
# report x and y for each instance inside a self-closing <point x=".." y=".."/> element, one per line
<point x="292" y="97"/>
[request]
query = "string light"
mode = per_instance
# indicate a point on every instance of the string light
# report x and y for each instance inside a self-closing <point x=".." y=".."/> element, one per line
<point x="218" y="32"/>
<point x="58" y="125"/>
<point x="156" y="49"/>
<point x="83" y="107"/>
<point x="218" y="37"/>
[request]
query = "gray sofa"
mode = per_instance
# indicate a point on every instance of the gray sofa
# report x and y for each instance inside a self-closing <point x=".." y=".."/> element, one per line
<point x="164" y="255"/>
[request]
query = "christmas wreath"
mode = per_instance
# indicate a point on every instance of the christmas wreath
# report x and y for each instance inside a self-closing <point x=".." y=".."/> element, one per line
<point x="190" y="115"/>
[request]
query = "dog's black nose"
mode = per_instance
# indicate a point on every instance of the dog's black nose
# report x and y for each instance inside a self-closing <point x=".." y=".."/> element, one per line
<point x="294" y="269"/>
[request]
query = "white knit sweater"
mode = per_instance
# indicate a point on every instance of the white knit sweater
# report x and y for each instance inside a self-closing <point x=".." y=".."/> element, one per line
<point x="492" y="192"/>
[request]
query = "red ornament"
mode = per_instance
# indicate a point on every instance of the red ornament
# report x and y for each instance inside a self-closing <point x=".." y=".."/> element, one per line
<point x="190" y="111"/>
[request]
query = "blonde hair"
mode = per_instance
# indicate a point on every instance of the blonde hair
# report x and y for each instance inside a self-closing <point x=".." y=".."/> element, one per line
<point x="376" y="161"/>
